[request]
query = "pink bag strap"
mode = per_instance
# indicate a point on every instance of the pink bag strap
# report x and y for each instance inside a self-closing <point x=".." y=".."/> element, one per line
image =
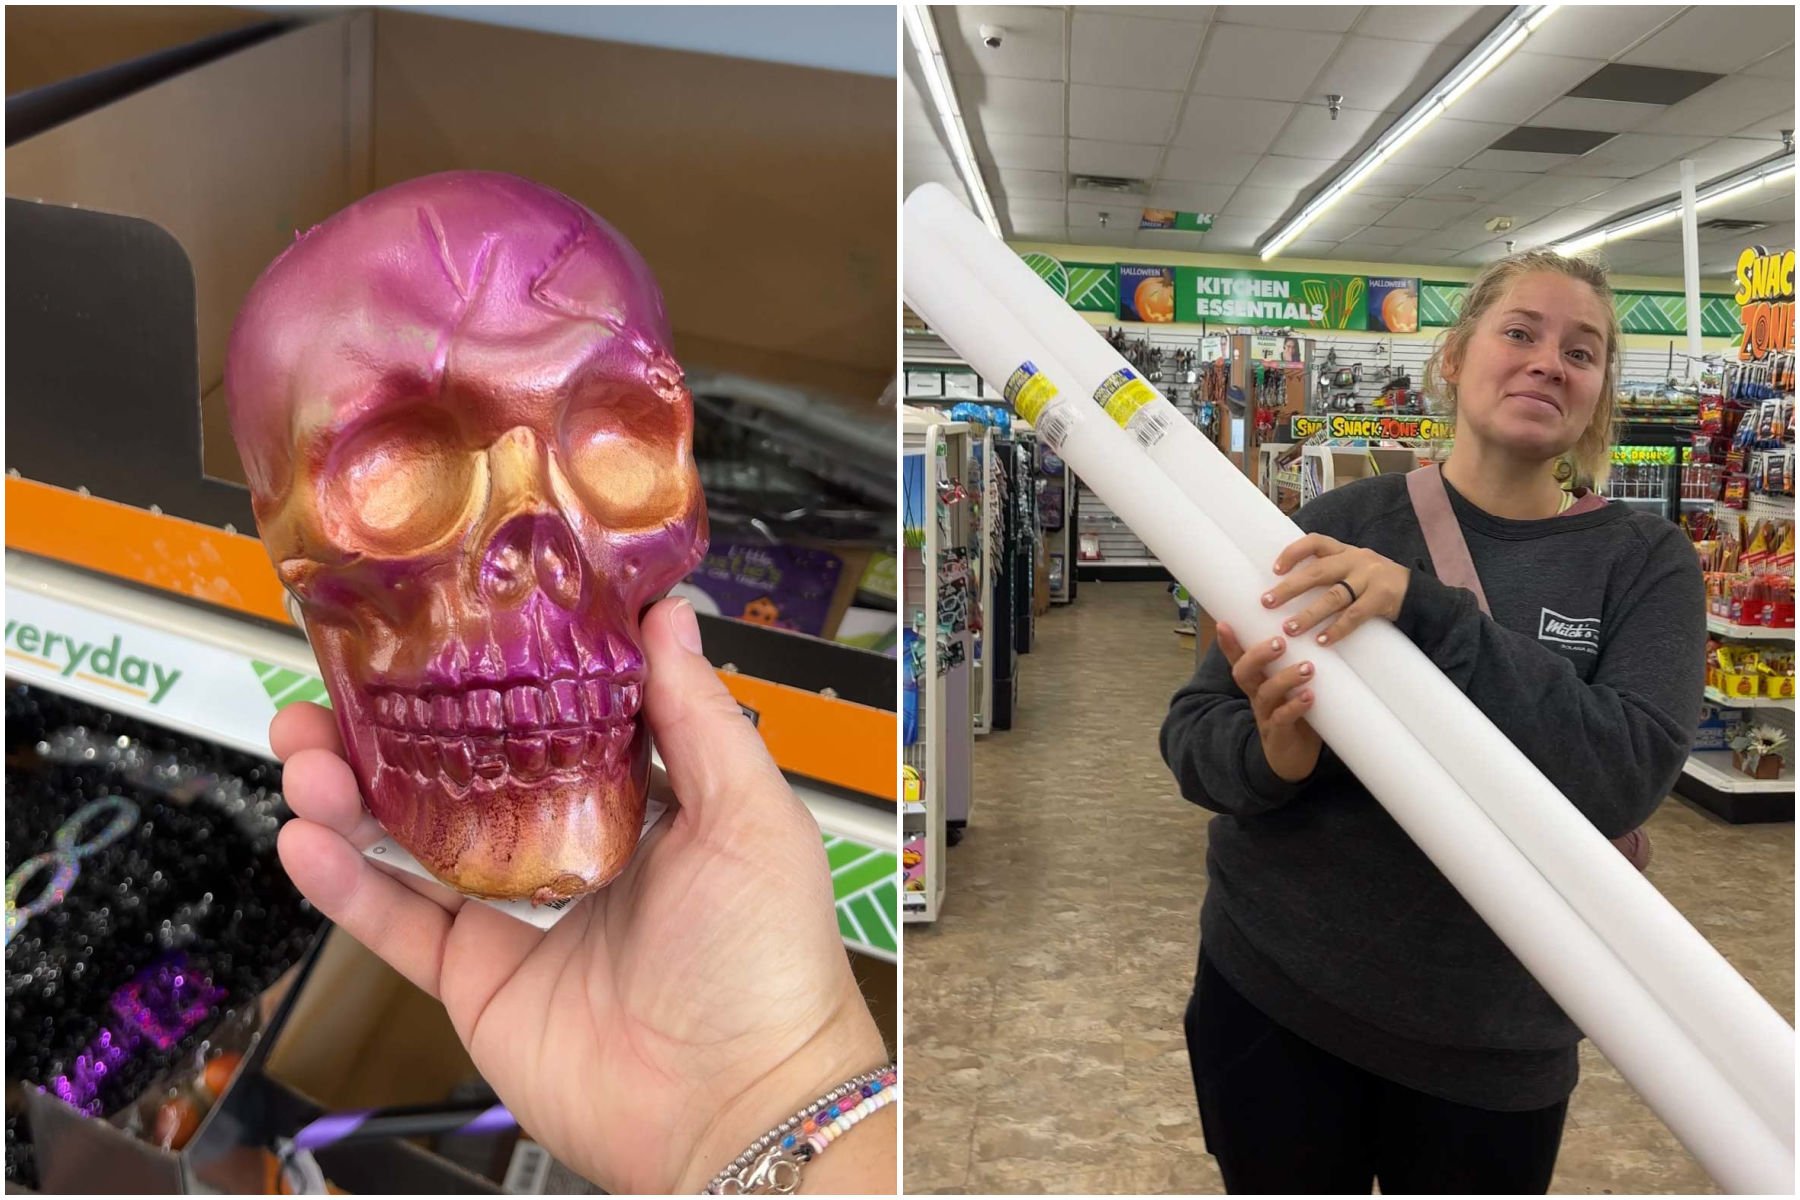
<point x="1443" y="534"/>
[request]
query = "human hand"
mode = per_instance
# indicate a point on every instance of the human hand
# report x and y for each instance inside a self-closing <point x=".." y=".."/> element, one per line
<point x="1280" y="703"/>
<point x="674" y="1016"/>
<point x="1377" y="586"/>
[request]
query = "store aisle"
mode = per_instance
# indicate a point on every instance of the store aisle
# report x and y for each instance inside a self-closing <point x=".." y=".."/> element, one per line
<point x="1043" y="1011"/>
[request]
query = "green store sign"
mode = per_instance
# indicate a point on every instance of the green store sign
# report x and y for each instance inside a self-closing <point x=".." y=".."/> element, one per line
<point x="1661" y="313"/>
<point x="1281" y="298"/>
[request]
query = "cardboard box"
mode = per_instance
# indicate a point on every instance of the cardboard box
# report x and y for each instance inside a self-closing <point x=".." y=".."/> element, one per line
<point x="54" y="43"/>
<point x="761" y="194"/>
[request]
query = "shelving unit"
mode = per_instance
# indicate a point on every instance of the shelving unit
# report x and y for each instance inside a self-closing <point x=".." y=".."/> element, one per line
<point x="984" y="470"/>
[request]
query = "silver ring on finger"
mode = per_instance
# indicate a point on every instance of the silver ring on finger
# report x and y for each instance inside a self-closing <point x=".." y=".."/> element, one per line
<point x="1348" y="590"/>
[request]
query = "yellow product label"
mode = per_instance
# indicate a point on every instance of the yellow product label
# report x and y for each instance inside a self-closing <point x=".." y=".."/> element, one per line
<point x="1028" y="391"/>
<point x="1123" y="404"/>
<point x="914" y="785"/>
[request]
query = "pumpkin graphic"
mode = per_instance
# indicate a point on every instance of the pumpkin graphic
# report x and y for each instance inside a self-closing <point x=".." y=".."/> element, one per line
<point x="1400" y="312"/>
<point x="1155" y="299"/>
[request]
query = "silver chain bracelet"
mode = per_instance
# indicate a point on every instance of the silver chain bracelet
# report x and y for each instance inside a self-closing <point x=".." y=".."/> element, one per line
<point x="769" y="1168"/>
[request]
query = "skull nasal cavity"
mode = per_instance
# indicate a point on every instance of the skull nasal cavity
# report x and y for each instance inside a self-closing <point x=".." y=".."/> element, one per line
<point x="532" y="552"/>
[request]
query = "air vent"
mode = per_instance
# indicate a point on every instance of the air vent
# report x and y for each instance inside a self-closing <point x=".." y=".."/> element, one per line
<point x="1642" y="85"/>
<point x="1732" y="225"/>
<point x="1110" y="183"/>
<point x="1542" y="139"/>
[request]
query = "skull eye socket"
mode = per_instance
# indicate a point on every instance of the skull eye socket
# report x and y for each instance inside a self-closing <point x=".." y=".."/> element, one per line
<point x="629" y="458"/>
<point x="400" y="483"/>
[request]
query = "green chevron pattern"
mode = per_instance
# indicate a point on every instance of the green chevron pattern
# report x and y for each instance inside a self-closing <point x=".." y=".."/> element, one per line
<point x="1094" y="287"/>
<point x="1440" y="302"/>
<point x="866" y="883"/>
<point x="1050" y="270"/>
<point x="1639" y="312"/>
<point x="287" y="687"/>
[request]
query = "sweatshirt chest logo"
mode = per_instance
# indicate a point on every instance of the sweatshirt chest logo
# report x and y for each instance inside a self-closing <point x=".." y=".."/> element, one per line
<point x="1580" y="633"/>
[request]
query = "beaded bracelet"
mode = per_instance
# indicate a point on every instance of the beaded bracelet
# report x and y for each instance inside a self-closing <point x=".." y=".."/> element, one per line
<point x="773" y="1163"/>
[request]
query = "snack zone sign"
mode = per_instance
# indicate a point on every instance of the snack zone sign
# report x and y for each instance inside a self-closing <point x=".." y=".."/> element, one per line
<point x="1765" y="298"/>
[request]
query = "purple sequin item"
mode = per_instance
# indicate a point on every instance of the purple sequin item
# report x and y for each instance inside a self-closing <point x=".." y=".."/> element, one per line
<point x="163" y="1003"/>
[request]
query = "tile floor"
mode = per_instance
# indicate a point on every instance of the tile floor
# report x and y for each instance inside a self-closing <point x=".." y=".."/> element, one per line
<point x="1043" y="1012"/>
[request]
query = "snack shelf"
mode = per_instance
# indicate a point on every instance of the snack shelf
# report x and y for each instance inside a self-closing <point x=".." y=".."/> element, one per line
<point x="1726" y="628"/>
<point x="209" y="675"/>
<point x="1713" y="768"/>
<point x="1720" y="698"/>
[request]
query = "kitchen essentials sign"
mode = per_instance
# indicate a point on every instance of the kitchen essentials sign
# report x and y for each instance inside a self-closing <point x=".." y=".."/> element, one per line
<point x="1220" y="295"/>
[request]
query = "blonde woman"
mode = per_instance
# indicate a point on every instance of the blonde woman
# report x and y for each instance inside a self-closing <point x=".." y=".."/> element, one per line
<point x="1353" y="1021"/>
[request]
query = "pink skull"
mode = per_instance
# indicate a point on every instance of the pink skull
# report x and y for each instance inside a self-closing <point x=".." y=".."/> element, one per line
<point x="470" y="454"/>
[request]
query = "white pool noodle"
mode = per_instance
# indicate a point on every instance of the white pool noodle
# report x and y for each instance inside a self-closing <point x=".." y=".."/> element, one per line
<point x="1606" y="999"/>
<point x="1700" y="989"/>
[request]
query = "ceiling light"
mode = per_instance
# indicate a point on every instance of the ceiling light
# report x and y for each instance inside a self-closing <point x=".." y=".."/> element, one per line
<point x="923" y="34"/>
<point x="1669" y="210"/>
<point x="1490" y="53"/>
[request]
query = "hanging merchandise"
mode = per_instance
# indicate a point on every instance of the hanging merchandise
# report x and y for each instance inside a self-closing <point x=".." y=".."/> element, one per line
<point x="914" y="658"/>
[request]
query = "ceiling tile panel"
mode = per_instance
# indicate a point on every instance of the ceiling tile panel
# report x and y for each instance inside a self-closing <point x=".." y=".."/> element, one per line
<point x="1439" y="24"/>
<point x="1559" y="224"/>
<point x="1424" y="214"/>
<point x="1382" y="235"/>
<point x="1032" y="185"/>
<point x="1410" y="176"/>
<point x="1769" y="127"/>
<point x="1715" y="159"/>
<point x="1030" y="218"/>
<point x="1335" y="225"/>
<point x="1277" y="171"/>
<point x="1121" y="114"/>
<point x="1031" y="49"/>
<point x="1631" y="154"/>
<point x="1023" y="151"/>
<point x="1560" y="190"/>
<point x="1264" y="64"/>
<point x="1331" y="18"/>
<point x="1237" y="235"/>
<point x="1012" y="105"/>
<point x="1371" y="73"/>
<point x="1471" y="184"/>
<point x="1169" y="239"/>
<point x="1205" y="166"/>
<point x="1191" y="197"/>
<point x="1264" y="202"/>
<point x="919" y="126"/>
<point x="1442" y="61"/>
<point x="1601" y="31"/>
<point x="1314" y="133"/>
<point x="1360" y="204"/>
<point x="1308" y="248"/>
<point x="1726" y="106"/>
<point x="1522" y="86"/>
<point x="1113" y="158"/>
<point x="918" y="174"/>
<point x="1133" y="51"/>
<point x="1448" y="143"/>
<point x="1231" y="124"/>
<point x="1716" y="37"/>
<point x="1616" y="116"/>
<point x="1164" y="12"/>
<point x="1779" y="65"/>
<point x="1516" y="160"/>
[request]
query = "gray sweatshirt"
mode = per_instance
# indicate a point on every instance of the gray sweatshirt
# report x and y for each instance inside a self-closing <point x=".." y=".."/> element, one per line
<point x="1320" y="909"/>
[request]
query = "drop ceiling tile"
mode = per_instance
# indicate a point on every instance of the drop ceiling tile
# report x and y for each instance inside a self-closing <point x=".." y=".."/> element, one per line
<point x="1716" y="37"/>
<point x="1440" y="63"/>
<point x="1752" y="207"/>
<point x="1373" y="250"/>
<point x="1133" y="51"/>
<point x="1031" y="49"/>
<point x="1557" y="225"/>
<point x="1779" y="65"/>
<point x="1309" y="248"/>
<point x="1011" y="105"/>
<point x="1395" y="191"/>
<point x="1331" y="18"/>
<point x="1090" y="233"/>
<point x="1169" y="239"/>
<point x="1231" y="125"/>
<point x="919" y="174"/>
<point x="1631" y="154"/>
<point x="1440" y="24"/>
<point x="1481" y="255"/>
<point x="1121" y="114"/>
<point x="1371" y="73"/>
<point x="1113" y="158"/>
<point x="1423" y="214"/>
<point x="1024" y="151"/>
<point x="1769" y="127"/>
<point x="918" y="123"/>
<point x="1472" y="184"/>
<point x="1558" y="190"/>
<point x="1264" y="64"/>
<point x="1237" y="234"/>
<point x="1449" y="240"/>
<point x="1448" y="143"/>
<point x="1031" y="218"/>
<point x="1312" y="133"/>
<point x="1264" y="202"/>
<point x="1602" y="31"/>
<point x="1633" y="193"/>
<point x="1276" y="171"/>
<point x="1191" y="197"/>
<point x="1516" y="160"/>
<point x="1162" y="12"/>
<point x="1337" y="226"/>
<point x="1363" y="205"/>
<point x="1410" y="176"/>
<point x="1716" y="159"/>
<point x="1205" y="166"/>
<point x="1616" y="116"/>
<point x="1383" y="235"/>
<point x="1033" y="185"/>
<point x="1522" y="85"/>
<point x="1726" y="106"/>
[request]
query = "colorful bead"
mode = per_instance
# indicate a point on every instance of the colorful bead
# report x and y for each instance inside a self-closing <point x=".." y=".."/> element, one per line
<point x="787" y="1143"/>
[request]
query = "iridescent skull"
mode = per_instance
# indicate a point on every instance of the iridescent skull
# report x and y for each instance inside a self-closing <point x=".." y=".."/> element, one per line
<point x="470" y="454"/>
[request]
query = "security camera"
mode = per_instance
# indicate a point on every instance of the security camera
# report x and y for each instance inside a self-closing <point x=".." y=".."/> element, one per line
<point x="991" y="36"/>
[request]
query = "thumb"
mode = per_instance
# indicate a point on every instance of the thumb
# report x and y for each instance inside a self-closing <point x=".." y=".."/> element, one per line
<point x="715" y="758"/>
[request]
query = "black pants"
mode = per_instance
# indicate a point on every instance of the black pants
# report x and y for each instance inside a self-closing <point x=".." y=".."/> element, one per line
<point x="1283" y="1116"/>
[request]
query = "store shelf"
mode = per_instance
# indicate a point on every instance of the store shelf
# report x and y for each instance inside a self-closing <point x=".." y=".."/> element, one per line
<point x="1715" y="696"/>
<point x="1762" y="633"/>
<point x="205" y="674"/>
<point x="1713" y="768"/>
<point x="914" y="810"/>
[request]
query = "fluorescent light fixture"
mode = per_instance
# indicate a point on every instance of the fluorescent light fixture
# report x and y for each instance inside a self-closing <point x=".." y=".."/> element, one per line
<point x="1493" y="50"/>
<point x="923" y="33"/>
<point x="1729" y="188"/>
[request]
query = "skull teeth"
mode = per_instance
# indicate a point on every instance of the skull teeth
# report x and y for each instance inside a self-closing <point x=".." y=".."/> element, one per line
<point x="518" y="710"/>
<point x="462" y="758"/>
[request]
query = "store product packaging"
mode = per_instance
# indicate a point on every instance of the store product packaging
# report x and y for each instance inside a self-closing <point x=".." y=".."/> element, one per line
<point x="1719" y="1087"/>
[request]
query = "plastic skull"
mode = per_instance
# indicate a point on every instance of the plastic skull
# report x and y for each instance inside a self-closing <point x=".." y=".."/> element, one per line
<point x="470" y="454"/>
